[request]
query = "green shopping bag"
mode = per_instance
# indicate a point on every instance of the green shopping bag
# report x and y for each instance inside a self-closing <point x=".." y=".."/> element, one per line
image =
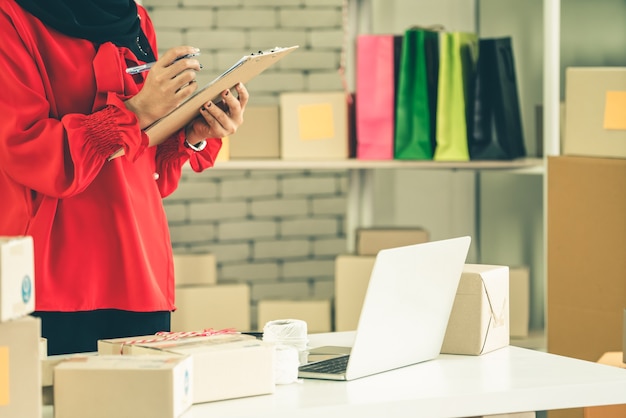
<point x="458" y="55"/>
<point x="416" y="96"/>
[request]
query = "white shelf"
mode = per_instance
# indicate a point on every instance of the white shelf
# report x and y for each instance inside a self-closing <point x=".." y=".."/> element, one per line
<point x="533" y="165"/>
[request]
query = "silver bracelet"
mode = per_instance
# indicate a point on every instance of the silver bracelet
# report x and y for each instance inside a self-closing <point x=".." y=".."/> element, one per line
<point x="196" y="147"/>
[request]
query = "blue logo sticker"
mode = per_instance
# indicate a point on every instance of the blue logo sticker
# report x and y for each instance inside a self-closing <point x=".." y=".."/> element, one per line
<point x="27" y="289"/>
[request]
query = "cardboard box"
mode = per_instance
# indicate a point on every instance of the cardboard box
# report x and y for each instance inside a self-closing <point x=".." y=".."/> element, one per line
<point x="20" y="372"/>
<point x="608" y="411"/>
<point x="479" y="321"/>
<point x="17" y="277"/>
<point x="195" y="269"/>
<point x="123" y="386"/>
<point x="225" y="366"/>
<point x="586" y="282"/>
<point x="218" y="307"/>
<point x="369" y="241"/>
<point x="314" y="126"/>
<point x="259" y="136"/>
<point x="316" y="313"/>
<point x="48" y="363"/>
<point x="624" y="338"/>
<point x="595" y="98"/>
<point x="352" y="276"/>
<point x="519" y="301"/>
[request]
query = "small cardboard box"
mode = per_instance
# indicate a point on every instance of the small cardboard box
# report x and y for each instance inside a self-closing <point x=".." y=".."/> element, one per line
<point x="195" y="269"/>
<point x="20" y="372"/>
<point x="225" y="366"/>
<point x="595" y="98"/>
<point x="314" y="126"/>
<point x="218" y="307"/>
<point x="316" y="313"/>
<point x="123" y="386"/>
<point x="608" y="411"/>
<point x="17" y="277"/>
<point x="259" y="137"/>
<point x="519" y="301"/>
<point x="479" y="321"/>
<point x="48" y="363"/>
<point x="352" y="276"/>
<point x="369" y="241"/>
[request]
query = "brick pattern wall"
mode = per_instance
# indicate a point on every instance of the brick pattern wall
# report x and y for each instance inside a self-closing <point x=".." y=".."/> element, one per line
<point x="278" y="231"/>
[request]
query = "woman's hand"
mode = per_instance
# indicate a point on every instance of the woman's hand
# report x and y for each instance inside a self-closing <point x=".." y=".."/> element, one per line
<point x="169" y="82"/>
<point x="219" y="120"/>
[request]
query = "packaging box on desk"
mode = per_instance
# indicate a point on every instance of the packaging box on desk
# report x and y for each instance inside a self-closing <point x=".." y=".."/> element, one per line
<point x="479" y="321"/>
<point x="519" y="301"/>
<point x="352" y="276"/>
<point x="195" y="269"/>
<point x="123" y="386"/>
<point x="48" y="363"/>
<point x="259" y="137"/>
<point x="20" y="370"/>
<point x="595" y="98"/>
<point x="314" y="126"/>
<point x="225" y="366"/>
<point x="316" y="313"/>
<point x="369" y="241"/>
<point x="17" y="277"/>
<point x="218" y="307"/>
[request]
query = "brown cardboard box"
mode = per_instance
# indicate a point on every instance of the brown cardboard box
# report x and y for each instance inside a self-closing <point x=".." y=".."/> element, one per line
<point x="586" y="243"/>
<point x="479" y="321"/>
<point x="352" y="276"/>
<point x="608" y="411"/>
<point x="259" y="136"/>
<point x="369" y="241"/>
<point x="20" y="371"/>
<point x="48" y="363"/>
<point x="519" y="301"/>
<point x="218" y="307"/>
<point x="316" y="313"/>
<point x="123" y="386"/>
<point x="222" y="364"/>
<point x="17" y="277"/>
<point x="595" y="125"/>
<point x="195" y="269"/>
<point x="624" y="339"/>
<point x="314" y="126"/>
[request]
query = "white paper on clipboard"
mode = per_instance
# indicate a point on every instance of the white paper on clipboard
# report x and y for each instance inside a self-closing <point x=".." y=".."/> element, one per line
<point x="244" y="70"/>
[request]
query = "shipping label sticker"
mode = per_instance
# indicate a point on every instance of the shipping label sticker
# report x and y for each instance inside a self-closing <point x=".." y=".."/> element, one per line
<point x="316" y="121"/>
<point x="615" y="110"/>
<point x="4" y="376"/>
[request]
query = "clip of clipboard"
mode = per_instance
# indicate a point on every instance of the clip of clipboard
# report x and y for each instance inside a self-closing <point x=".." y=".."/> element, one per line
<point x="244" y="70"/>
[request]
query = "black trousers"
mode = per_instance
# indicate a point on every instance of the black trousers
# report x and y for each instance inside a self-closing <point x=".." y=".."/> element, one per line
<point x="79" y="332"/>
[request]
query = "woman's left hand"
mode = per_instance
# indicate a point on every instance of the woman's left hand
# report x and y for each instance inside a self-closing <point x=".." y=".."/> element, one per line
<point x="219" y="120"/>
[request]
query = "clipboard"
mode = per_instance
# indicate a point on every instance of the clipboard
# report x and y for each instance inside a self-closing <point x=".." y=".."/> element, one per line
<point x="244" y="70"/>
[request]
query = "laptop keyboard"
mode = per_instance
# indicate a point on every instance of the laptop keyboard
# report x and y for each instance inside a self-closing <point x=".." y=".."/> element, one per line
<point x="335" y="365"/>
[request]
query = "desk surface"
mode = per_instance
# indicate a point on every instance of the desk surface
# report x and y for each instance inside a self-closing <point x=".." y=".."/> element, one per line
<point x="510" y="379"/>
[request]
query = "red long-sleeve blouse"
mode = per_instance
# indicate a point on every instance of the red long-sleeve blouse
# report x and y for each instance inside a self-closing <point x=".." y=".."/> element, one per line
<point x="99" y="228"/>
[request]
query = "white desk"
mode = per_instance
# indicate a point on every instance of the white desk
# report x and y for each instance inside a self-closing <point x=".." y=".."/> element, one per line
<point x="511" y="379"/>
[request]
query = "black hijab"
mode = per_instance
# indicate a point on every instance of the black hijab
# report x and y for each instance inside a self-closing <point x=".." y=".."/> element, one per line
<point x="98" y="21"/>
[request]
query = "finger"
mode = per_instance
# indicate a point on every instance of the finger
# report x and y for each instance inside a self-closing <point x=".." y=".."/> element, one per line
<point x="242" y="94"/>
<point x="172" y="54"/>
<point x="213" y="114"/>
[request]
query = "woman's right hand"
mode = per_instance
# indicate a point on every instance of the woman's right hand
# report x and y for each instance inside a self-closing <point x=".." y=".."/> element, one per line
<point x="168" y="84"/>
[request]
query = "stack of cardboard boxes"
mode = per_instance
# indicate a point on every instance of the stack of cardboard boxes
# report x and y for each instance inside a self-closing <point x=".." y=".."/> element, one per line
<point x="20" y="344"/>
<point x="586" y="282"/>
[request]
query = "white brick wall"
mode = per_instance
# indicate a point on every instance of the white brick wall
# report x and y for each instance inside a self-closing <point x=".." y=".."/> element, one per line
<point x="278" y="231"/>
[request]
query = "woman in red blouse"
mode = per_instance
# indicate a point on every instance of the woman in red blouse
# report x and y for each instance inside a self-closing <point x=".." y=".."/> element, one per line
<point x="103" y="256"/>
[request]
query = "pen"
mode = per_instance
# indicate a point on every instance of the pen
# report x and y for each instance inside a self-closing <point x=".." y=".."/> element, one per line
<point x="145" y="67"/>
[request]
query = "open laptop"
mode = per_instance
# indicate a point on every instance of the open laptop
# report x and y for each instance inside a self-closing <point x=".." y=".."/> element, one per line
<point x="405" y="312"/>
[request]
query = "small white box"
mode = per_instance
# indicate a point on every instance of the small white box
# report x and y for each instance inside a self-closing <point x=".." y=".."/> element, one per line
<point x="17" y="277"/>
<point x="225" y="366"/>
<point x="123" y="386"/>
<point x="479" y="321"/>
<point x="316" y="313"/>
<point x="352" y="276"/>
<point x="20" y="372"/>
<point x="195" y="269"/>
<point x="218" y="307"/>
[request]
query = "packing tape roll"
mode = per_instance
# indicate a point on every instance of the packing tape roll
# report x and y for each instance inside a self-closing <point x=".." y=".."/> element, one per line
<point x="287" y="331"/>
<point x="286" y="365"/>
